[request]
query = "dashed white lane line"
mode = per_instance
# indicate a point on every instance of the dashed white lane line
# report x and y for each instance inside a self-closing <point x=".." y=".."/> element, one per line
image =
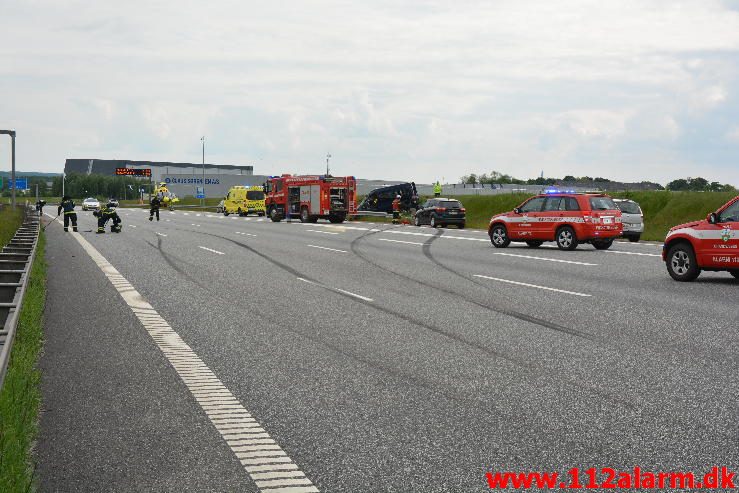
<point x="193" y="224"/>
<point x="401" y="241"/>
<point x="545" y="259"/>
<point x="242" y="233"/>
<point x="355" y="295"/>
<point x="131" y="225"/>
<point x="323" y="232"/>
<point x="211" y="250"/>
<point x="635" y="253"/>
<point x="533" y="286"/>
<point x="159" y="234"/>
<point x="271" y="469"/>
<point x="329" y="249"/>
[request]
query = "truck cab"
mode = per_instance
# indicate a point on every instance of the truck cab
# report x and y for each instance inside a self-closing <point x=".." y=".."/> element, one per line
<point x="711" y="244"/>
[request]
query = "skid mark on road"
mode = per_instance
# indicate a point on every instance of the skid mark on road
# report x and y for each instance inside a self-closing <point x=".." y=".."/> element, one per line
<point x="257" y="451"/>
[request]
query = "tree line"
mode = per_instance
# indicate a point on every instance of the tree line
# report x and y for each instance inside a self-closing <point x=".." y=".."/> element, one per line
<point x="682" y="184"/>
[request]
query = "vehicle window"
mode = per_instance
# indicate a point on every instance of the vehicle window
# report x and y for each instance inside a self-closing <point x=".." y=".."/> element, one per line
<point x="533" y="205"/>
<point x="553" y="203"/>
<point x="254" y="195"/>
<point x="278" y="186"/>
<point x="450" y="204"/>
<point x="730" y="214"/>
<point x="387" y="194"/>
<point x="629" y="207"/>
<point x="602" y="204"/>
<point x="571" y="204"/>
<point x="429" y="203"/>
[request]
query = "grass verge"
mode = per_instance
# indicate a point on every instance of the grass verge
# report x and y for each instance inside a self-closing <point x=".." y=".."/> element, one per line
<point x="10" y="221"/>
<point x="20" y="395"/>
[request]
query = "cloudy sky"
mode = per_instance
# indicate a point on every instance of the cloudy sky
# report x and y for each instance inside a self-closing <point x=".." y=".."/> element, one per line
<point x="629" y="90"/>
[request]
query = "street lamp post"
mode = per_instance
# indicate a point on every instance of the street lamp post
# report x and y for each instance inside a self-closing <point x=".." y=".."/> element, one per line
<point x="328" y="156"/>
<point x="202" y="201"/>
<point x="12" y="167"/>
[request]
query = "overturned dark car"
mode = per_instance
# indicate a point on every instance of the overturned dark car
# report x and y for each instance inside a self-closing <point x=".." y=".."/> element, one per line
<point x="381" y="199"/>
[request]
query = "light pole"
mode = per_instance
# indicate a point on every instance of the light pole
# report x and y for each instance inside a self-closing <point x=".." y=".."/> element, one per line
<point x="328" y="156"/>
<point x="12" y="166"/>
<point x="202" y="201"/>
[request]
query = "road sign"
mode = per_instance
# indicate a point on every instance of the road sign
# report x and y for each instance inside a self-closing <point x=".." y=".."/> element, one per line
<point x="20" y="184"/>
<point x="133" y="171"/>
<point x="199" y="192"/>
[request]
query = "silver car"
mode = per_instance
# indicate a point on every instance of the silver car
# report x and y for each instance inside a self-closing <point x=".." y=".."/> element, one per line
<point x="632" y="218"/>
<point x="90" y="203"/>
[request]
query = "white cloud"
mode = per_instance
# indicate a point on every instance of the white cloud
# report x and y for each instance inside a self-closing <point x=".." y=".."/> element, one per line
<point x="396" y="90"/>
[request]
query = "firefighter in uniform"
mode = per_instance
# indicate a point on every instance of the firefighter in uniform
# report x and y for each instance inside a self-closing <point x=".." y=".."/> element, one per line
<point x="40" y="207"/>
<point x="437" y="189"/>
<point x="155" y="204"/>
<point x="67" y="205"/>
<point x="106" y="213"/>
<point x="396" y="210"/>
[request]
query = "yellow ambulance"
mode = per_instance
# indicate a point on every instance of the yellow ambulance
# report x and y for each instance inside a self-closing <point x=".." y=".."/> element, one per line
<point x="244" y="200"/>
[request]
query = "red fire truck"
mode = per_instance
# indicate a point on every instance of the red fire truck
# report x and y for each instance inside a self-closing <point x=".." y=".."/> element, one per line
<point x="311" y="197"/>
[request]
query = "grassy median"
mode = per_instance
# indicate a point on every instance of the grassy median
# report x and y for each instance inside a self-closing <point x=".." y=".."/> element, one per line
<point x="20" y="395"/>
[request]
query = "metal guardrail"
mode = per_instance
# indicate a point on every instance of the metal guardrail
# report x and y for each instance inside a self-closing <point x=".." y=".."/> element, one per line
<point x="16" y="260"/>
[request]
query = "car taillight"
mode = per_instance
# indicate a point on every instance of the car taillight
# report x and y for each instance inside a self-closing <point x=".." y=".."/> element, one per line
<point x="441" y="209"/>
<point x="462" y="209"/>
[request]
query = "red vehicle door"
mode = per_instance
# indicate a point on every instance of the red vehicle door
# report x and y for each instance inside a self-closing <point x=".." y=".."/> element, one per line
<point x="719" y="243"/>
<point x="551" y="216"/>
<point x="526" y="222"/>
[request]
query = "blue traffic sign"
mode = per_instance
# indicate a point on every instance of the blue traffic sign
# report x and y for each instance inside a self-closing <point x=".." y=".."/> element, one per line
<point x="199" y="192"/>
<point x="20" y="184"/>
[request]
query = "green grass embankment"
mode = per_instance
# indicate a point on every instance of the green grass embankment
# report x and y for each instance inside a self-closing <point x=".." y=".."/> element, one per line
<point x="662" y="209"/>
<point x="10" y="221"/>
<point x="20" y="396"/>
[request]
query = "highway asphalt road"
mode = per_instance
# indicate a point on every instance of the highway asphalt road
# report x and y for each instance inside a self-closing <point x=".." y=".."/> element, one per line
<point x="378" y="357"/>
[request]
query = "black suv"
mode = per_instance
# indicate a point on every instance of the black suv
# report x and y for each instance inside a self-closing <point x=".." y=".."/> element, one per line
<point x="441" y="212"/>
<point x="381" y="199"/>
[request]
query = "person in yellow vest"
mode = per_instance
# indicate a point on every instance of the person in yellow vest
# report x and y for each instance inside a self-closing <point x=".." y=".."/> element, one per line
<point x="437" y="189"/>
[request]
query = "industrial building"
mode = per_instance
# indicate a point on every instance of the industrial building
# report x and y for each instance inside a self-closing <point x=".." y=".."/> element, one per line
<point x="183" y="179"/>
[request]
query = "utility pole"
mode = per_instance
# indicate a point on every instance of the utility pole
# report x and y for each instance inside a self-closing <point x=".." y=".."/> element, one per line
<point x="202" y="201"/>
<point x="12" y="167"/>
<point x="328" y="156"/>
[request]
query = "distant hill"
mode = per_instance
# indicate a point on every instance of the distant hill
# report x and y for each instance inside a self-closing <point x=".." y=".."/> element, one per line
<point x="21" y="174"/>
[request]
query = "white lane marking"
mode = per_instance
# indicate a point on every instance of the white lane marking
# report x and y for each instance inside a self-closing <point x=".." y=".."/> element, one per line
<point x="211" y="250"/>
<point x="185" y="213"/>
<point x="193" y="224"/>
<point x="533" y="286"/>
<point x="198" y="215"/>
<point x="242" y="233"/>
<point x="330" y="249"/>
<point x="635" y="253"/>
<point x="131" y="225"/>
<point x="168" y="220"/>
<point x="544" y="258"/>
<point x="639" y="244"/>
<point x="355" y="295"/>
<point x="401" y="241"/>
<point x="226" y="419"/>
<point x="160" y="234"/>
<point x="234" y="218"/>
<point x="324" y="232"/>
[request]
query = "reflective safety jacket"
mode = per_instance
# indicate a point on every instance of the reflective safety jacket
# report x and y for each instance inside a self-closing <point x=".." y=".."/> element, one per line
<point x="67" y="206"/>
<point x="437" y="187"/>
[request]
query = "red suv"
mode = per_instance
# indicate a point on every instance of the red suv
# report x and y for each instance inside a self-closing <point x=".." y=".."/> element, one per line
<point x="712" y="245"/>
<point x="567" y="218"/>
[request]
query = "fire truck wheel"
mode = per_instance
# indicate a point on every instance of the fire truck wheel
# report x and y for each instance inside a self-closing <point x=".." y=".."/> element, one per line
<point x="734" y="273"/>
<point x="566" y="238"/>
<point x="681" y="263"/>
<point x="499" y="236"/>
<point x="225" y="213"/>
<point x="534" y="243"/>
<point x="274" y="215"/>
<point x="304" y="216"/>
